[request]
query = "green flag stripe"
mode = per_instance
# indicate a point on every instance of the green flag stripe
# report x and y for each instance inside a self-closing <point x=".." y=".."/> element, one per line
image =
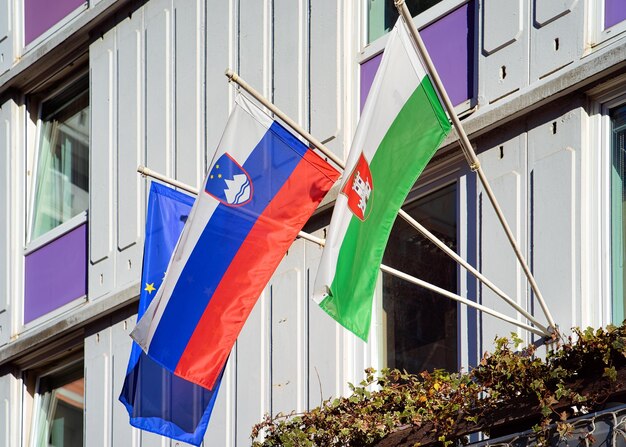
<point x="406" y="148"/>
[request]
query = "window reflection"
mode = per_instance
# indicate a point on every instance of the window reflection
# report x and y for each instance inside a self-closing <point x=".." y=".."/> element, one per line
<point x="420" y="325"/>
<point x="62" y="174"/>
<point x="59" y="408"/>
<point x="618" y="211"/>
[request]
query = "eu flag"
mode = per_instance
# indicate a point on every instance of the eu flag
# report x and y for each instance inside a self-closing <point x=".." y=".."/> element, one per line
<point x="157" y="400"/>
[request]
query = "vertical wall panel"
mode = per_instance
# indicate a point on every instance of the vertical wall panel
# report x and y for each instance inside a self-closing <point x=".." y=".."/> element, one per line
<point x="188" y="92"/>
<point x="221" y="428"/>
<point x="129" y="149"/>
<point x="101" y="186"/>
<point x="220" y="47"/>
<point x="5" y="405"/>
<point x="290" y="57"/>
<point x="324" y="337"/>
<point x="6" y="148"/>
<point x="149" y="439"/>
<point x="503" y="66"/>
<point x="505" y="166"/>
<point x="546" y="12"/>
<point x="5" y="19"/>
<point x="255" y="45"/>
<point x="325" y="72"/>
<point x="552" y="183"/>
<point x="554" y="143"/>
<point x="253" y="369"/>
<point x="557" y="39"/>
<point x="158" y="73"/>
<point x="98" y="383"/>
<point x="288" y="306"/>
<point x="122" y="433"/>
<point x="221" y="53"/>
<point x="6" y="35"/>
<point x="10" y="411"/>
<point x="253" y="356"/>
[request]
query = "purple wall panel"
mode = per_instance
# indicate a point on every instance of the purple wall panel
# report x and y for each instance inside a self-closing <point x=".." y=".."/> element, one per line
<point x="41" y="15"/>
<point x="368" y="70"/>
<point x="450" y="43"/>
<point x="55" y="274"/>
<point x="614" y="12"/>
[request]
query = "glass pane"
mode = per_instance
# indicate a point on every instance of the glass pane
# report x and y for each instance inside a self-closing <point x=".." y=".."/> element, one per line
<point x="62" y="176"/>
<point x="60" y="409"/>
<point x="618" y="211"/>
<point x="383" y="14"/>
<point x="421" y="326"/>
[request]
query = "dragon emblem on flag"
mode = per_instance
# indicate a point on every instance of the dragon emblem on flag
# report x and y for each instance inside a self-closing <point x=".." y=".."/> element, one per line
<point x="228" y="182"/>
<point x="358" y="189"/>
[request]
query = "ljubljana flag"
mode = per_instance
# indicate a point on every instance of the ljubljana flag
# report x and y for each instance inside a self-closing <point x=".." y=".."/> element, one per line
<point x="262" y="187"/>
<point x="402" y="125"/>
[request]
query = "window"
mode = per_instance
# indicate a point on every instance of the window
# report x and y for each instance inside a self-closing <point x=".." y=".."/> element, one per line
<point x="448" y="30"/>
<point x="420" y="326"/>
<point x="62" y="172"/>
<point x="57" y="395"/>
<point x="608" y="20"/>
<point x="618" y="211"/>
<point x="383" y="14"/>
<point x="55" y="267"/>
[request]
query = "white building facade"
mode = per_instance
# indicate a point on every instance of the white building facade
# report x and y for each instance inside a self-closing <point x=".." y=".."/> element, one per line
<point x="90" y="90"/>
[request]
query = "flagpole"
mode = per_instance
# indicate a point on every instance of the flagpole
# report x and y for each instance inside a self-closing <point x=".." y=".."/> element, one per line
<point x="461" y="300"/>
<point x="231" y="75"/>
<point x="542" y="332"/>
<point x="471" y="156"/>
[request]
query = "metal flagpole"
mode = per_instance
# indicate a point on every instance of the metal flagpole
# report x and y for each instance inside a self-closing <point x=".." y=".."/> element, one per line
<point x="535" y="330"/>
<point x="470" y="155"/>
<point x="318" y="145"/>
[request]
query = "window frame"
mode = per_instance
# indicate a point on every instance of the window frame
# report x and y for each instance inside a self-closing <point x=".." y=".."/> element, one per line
<point x="452" y="170"/>
<point x="58" y="355"/>
<point x="38" y="400"/>
<point x="32" y="179"/>
<point x="596" y="32"/>
<point x="617" y="101"/>
<point x="32" y="136"/>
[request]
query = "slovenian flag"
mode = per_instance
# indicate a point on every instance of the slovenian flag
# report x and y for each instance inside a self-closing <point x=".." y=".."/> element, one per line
<point x="402" y="125"/>
<point x="262" y="187"/>
<point x="157" y="400"/>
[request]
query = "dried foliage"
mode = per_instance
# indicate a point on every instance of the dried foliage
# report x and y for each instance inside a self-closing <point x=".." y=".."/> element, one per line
<point x="507" y="378"/>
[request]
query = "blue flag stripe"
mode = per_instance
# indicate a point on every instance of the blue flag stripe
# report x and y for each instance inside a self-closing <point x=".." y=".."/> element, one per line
<point x="269" y="165"/>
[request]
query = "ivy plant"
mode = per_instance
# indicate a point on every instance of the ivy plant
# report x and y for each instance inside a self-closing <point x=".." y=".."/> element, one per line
<point x="556" y="387"/>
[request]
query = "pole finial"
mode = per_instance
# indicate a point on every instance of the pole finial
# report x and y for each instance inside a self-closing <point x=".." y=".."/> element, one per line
<point x="231" y="75"/>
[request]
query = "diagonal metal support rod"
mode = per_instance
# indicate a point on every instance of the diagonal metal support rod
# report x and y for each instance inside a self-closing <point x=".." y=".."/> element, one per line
<point x="542" y="333"/>
<point x="471" y="156"/>
<point x="234" y="77"/>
